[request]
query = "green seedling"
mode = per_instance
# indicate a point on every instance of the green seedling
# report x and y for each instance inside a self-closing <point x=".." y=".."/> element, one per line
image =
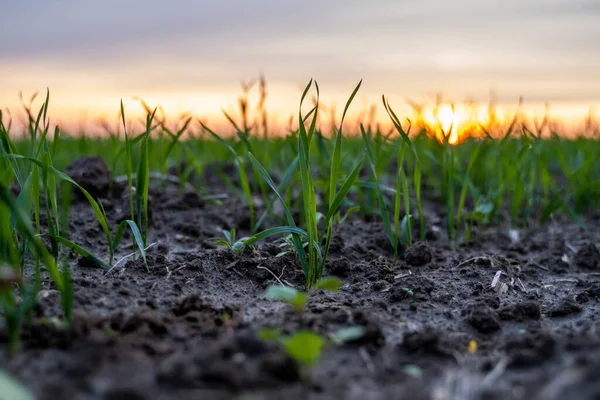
<point x="239" y="245"/>
<point x="394" y="234"/>
<point x="228" y="240"/>
<point x="296" y="298"/>
<point x="175" y="139"/>
<point x="142" y="180"/>
<point x="345" y="335"/>
<point x="113" y="242"/>
<point x="414" y="371"/>
<point x="511" y="171"/>
<point x="405" y="142"/>
<point x="138" y="194"/>
<point x="287" y="246"/>
<point x="288" y="295"/>
<point x="312" y="258"/>
<point x="15" y="312"/>
<point x="306" y="347"/>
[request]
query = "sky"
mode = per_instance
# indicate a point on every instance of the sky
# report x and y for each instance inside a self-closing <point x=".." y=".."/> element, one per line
<point x="190" y="56"/>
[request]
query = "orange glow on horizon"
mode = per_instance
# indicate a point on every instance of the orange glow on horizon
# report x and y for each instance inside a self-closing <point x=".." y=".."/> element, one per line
<point x="76" y="112"/>
<point x="457" y="122"/>
<point x="453" y="121"/>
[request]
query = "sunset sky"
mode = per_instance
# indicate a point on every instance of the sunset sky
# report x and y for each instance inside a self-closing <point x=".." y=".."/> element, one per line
<point x="192" y="55"/>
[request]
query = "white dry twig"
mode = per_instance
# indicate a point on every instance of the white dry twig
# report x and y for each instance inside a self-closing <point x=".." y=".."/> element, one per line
<point x="274" y="276"/>
<point x="127" y="256"/>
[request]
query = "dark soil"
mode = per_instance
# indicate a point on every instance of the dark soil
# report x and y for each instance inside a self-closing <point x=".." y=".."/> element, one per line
<point x="187" y="327"/>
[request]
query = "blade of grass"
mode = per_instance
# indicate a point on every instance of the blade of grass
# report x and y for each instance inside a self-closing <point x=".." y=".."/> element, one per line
<point x="383" y="210"/>
<point x="241" y="171"/>
<point x="290" y="219"/>
<point x="79" y="250"/>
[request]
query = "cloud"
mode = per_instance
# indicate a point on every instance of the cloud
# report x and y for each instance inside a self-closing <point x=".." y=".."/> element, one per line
<point x="88" y="27"/>
<point x="545" y="49"/>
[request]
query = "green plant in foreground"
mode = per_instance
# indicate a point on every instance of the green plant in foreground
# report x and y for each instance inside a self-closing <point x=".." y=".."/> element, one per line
<point x="113" y="241"/>
<point x="11" y="389"/>
<point x="139" y="214"/>
<point x="16" y="312"/>
<point x="305" y="347"/>
<point x="287" y="246"/>
<point x="37" y="179"/>
<point x="228" y="240"/>
<point x="402" y="228"/>
<point x="312" y="258"/>
<point x="298" y="299"/>
<point x="19" y="236"/>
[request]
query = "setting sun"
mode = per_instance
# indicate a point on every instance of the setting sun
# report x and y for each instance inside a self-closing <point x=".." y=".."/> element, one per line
<point x="454" y="121"/>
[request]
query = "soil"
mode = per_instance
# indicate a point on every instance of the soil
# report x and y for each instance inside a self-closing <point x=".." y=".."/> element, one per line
<point x="186" y="328"/>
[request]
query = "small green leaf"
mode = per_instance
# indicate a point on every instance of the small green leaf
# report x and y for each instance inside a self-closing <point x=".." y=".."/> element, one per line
<point x="484" y="208"/>
<point x="13" y="390"/>
<point x="349" y="211"/>
<point x="54" y="322"/>
<point x="67" y="293"/>
<point x="79" y="250"/>
<point x="304" y="347"/>
<point x="288" y="295"/>
<point x="348" y="334"/>
<point x="138" y="240"/>
<point x="412" y="370"/>
<point x="268" y="334"/>
<point x="229" y="235"/>
<point x="331" y="283"/>
<point x="238" y="246"/>
<point x="405" y="229"/>
<point x="221" y="242"/>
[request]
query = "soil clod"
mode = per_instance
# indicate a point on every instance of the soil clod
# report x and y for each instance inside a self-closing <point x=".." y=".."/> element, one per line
<point x="92" y="174"/>
<point x="587" y="257"/>
<point x="418" y="254"/>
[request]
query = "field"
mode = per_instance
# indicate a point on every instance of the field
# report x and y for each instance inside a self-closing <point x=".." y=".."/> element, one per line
<point x="163" y="262"/>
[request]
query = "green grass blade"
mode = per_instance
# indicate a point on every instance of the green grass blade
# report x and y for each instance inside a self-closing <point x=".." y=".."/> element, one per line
<point x="97" y="210"/>
<point x="79" y="250"/>
<point x="285" y="181"/>
<point x="383" y="211"/>
<point x="398" y="126"/>
<point x="24" y="227"/>
<point x="290" y="219"/>
<point x="417" y="189"/>
<point x="175" y="137"/>
<point x="287" y="295"/>
<point x="408" y="239"/>
<point x="336" y="160"/>
<point x="66" y="295"/>
<point x="241" y="171"/>
<point x="267" y="178"/>
<point x="463" y="194"/>
<point x="279" y="230"/>
<point x="344" y="190"/>
<point x="137" y="236"/>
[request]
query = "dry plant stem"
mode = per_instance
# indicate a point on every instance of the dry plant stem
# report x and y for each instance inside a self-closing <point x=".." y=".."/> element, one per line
<point x="273" y="274"/>
<point x="127" y="256"/>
